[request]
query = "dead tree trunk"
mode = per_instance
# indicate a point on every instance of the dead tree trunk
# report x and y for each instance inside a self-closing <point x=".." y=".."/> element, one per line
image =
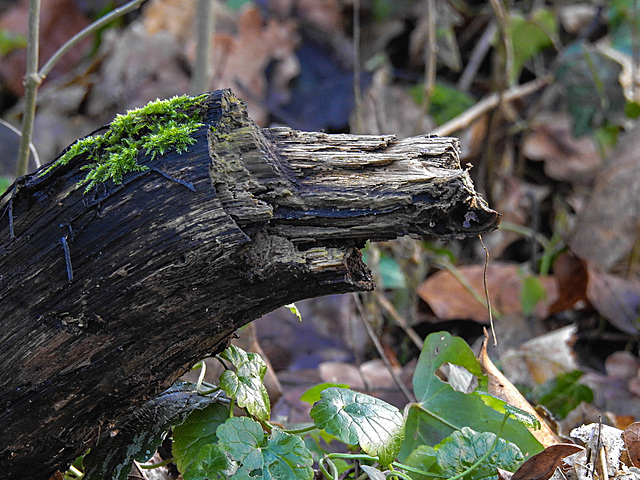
<point x="106" y="298"/>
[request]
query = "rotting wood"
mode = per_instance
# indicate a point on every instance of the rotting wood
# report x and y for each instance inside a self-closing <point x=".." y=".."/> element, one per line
<point x="152" y="276"/>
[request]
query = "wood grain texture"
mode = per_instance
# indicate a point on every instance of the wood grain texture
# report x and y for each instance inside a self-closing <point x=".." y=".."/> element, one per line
<point x="163" y="274"/>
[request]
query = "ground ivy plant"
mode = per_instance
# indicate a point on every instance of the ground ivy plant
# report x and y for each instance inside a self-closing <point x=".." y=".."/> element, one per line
<point x="155" y="129"/>
<point x="444" y="434"/>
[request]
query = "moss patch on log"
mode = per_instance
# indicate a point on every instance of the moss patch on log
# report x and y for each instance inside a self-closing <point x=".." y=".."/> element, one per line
<point x="155" y="129"/>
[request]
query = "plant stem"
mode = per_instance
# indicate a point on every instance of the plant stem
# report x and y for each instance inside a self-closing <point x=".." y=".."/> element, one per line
<point x="31" y="82"/>
<point x="88" y="30"/>
<point x="202" y="64"/>
<point x="430" y="61"/>
<point x="357" y="87"/>
<point x="33" y="77"/>
<point x="300" y="431"/>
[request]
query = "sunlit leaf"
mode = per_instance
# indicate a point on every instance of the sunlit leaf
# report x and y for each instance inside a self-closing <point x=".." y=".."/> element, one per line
<point x="198" y="431"/>
<point x="432" y="419"/>
<point x="280" y="456"/>
<point x="356" y="418"/>
<point x="463" y="448"/>
<point x="246" y="383"/>
<point x="313" y="394"/>
<point x="209" y="463"/>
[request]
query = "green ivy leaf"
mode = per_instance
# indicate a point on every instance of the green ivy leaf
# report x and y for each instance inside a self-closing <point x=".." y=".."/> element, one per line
<point x="531" y="293"/>
<point x="280" y="456"/>
<point x="246" y="383"/>
<point x="357" y="418"/>
<point x="464" y="447"/>
<point x="563" y="393"/>
<point x="424" y="458"/>
<point x="432" y="419"/>
<point x="210" y="463"/>
<point x="530" y="37"/>
<point x="313" y="394"/>
<point x="501" y="406"/>
<point x="190" y="438"/>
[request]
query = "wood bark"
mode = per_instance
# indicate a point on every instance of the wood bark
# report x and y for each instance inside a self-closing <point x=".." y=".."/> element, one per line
<point x="108" y="297"/>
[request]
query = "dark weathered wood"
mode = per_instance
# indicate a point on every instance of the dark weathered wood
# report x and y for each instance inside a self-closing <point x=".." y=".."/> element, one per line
<point x="163" y="275"/>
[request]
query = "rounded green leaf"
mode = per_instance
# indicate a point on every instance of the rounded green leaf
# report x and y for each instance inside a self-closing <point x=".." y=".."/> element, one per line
<point x="281" y="456"/>
<point x="357" y="418"/>
<point x="198" y="430"/>
<point x="210" y="464"/>
<point x="464" y="447"/>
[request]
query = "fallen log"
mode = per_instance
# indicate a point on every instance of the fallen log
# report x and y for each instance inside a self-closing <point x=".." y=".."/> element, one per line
<point x="109" y="293"/>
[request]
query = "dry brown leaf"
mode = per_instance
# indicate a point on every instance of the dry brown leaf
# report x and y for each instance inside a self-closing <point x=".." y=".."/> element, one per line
<point x="449" y="299"/>
<point x="608" y="227"/>
<point x="632" y="442"/>
<point x="241" y="60"/>
<point x="572" y="277"/>
<point x="543" y="465"/>
<point x="499" y="386"/>
<point x="565" y="157"/>
<point x="542" y="358"/>
<point x="616" y="299"/>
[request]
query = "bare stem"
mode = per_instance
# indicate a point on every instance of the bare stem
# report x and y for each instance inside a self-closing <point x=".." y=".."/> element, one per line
<point x="31" y="83"/>
<point x="357" y="87"/>
<point x="490" y="102"/>
<point x="78" y="37"/>
<point x="430" y="60"/>
<point x="33" y="77"/>
<point x="202" y="67"/>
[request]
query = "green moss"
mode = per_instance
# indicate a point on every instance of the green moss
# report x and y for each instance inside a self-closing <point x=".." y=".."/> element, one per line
<point x="155" y="129"/>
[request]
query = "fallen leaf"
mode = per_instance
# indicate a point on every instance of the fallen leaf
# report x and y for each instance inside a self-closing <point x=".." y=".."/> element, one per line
<point x="616" y="299"/>
<point x="241" y="59"/>
<point x="543" y="465"/>
<point x="565" y="157"/>
<point x="572" y="276"/>
<point x="632" y="442"/>
<point x="607" y="229"/>
<point x="499" y="386"/>
<point x="542" y="358"/>
<point x="449" y="299"/>
<point x="597" y="435"/>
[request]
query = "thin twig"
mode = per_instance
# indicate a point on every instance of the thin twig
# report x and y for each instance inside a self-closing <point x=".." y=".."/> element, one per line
<point x="477" y="56"/>
<point x="381" y="352"/>
<point x="32" y="147"/>
<point x="399" y="319"/>
<point x="453" y="270"/>
<point x="490" y="102"/>
<point x="88" y="30"/>
<point x="504" y="25"/>
<point x="486" y="291"/>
